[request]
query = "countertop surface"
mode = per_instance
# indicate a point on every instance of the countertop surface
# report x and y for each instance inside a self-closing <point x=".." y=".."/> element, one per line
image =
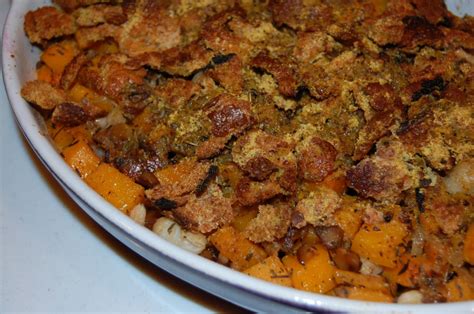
<point x="54" y="258"/>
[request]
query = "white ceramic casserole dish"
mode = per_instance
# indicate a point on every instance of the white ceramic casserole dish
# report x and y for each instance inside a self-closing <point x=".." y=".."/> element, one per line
<point x="19" y="59"/>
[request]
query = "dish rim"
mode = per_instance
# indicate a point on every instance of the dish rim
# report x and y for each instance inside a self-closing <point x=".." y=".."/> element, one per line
<point x="14" y="46"/>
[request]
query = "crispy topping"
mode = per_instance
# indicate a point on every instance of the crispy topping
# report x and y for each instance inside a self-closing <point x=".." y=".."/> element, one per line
<point x="228" y="115"/>
<point x="69" y="114"/>
<point x="271" y="223"/>
<point x="335" y="137"/>
<point x="316" y="159"/>
<point x="207" y="212"/>
<point x="47" y="23"/>
<point x="43" y="94"/>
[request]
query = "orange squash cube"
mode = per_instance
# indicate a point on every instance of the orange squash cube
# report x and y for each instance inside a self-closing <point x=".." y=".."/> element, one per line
<point x="270" y="269"/>
<point x="58" y="56"/>
<point x="469" y="245"/>
<point x="379" y="243"/>
<point x="81" y="158"/>
<point x="364" y="294"/>
<point x="317" y="275"/>
<point x="44" y="73"/>
<point x="115" y="187"/>
<point x="242" y="253"/>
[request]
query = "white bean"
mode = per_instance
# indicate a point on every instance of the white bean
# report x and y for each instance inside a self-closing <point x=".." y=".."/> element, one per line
<point x="410" y="297"/>
<point x="461" y="178"/>
<point x="138" y="213"/>
<point x="172" y="231"/>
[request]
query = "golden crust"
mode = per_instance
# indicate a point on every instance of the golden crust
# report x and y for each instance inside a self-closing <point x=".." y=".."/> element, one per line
<point x="282" y="71"/>
<point x="318" y="114"/>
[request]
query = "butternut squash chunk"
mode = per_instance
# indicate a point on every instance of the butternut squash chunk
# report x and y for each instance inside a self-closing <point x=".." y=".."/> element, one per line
<point x="349" y="218"/>
<point x="59" y="55"/>
<point x="379" y="243"/>
<point x="115" y="187"/>
<point x="231" y="173"/>
<point x="44" y="73"/>
<point x="317" y="275"/>
<point x="175" y="173"/>
<point x="270" y="269"/>
<point x="408" y="272"/>
<point x="335" y="182"/>
<point x="62" y="139"/>
<point x="80" y="93"/>
<point x="461" y="287"/>
<point x="81" y="158"/>
<point x="469" y="245"/>
<point x="242" y="253"/>
<point x="344" y="277"/>
<point x="364" y="294"/>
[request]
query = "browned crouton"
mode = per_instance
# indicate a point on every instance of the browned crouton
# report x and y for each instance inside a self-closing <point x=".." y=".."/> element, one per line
<point x="207" y="212"/>
<point x="70" y="5"/>
<point x="310" y="45"/>
<point x="177" y="61"/>
<point x="222" y="39"/>
<point x="318" y="208"/>
<point x="118" y="82"/>
<point x="278" y="152"/>
<point x="281" y="70"/>
<point x="228" y="115"/>
<point x="69" y="76"/>
<point x="46" y="23"/>
<point x="259" y="168"/>
<point x="99" y="14"/>
<point x="252" y="192"/>
<point x="151" y="27"/>
<point x="43" y="94"/>
<point x="175" y="190"/>
<point x="383" y="176"/>
<point x="316" y="159"/>
<point x="258" y="143"/>
<point x="177" y="91"/>
<point x="229" y="75"/>
<point x="271" y="223"/>
<point x="211" y="147"/>
<point x="85" y="37"/>
<point x="69" y="114"/>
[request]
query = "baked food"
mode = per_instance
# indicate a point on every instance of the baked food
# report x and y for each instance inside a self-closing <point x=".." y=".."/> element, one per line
<point x="306" y="143"/>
